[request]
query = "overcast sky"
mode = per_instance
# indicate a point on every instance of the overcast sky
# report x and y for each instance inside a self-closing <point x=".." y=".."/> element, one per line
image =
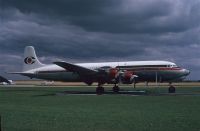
<point x="100" y="30"/>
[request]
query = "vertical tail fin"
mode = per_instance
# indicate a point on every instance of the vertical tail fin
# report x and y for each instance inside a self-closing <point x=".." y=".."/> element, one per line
<point x="30" y="59"/>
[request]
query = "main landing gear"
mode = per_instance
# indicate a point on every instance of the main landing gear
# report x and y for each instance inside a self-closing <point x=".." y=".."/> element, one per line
<point x="99" y="89"/>
<point x="116" y="89"/>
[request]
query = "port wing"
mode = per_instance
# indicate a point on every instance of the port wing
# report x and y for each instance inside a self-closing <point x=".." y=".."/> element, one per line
<point x="76" y="68"/>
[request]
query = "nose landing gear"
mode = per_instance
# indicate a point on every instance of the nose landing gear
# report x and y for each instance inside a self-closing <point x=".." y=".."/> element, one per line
<point x="171" y="88"/>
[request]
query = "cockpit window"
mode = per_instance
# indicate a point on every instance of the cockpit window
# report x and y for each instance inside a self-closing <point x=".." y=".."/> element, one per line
<point x="173" y="65"/>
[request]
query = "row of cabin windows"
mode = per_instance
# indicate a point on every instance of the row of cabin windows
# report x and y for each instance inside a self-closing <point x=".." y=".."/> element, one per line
<point x="147" y="66"/>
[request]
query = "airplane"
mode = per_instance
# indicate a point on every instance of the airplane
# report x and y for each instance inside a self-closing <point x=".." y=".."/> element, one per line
<point x="116" y="73"/>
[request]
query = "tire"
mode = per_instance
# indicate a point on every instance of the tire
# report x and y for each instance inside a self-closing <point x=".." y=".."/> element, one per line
<point x="172" y="89"/>
<point x="116" y="89"/>
<point x="99" y="90"/>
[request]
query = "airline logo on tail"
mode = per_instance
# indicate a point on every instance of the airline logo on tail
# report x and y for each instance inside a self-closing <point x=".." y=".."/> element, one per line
<point x="29" y="60"/>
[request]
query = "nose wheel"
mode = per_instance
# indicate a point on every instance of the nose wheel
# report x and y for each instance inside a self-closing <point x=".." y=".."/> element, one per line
<point x="171" y="89"/>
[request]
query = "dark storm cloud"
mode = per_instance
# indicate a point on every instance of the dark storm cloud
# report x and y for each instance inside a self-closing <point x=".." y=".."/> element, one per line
<point x="101" y="30"/>
<point x="24" y="30"/>
<point x="122" y="16"/>
<point x="59" y="8"/>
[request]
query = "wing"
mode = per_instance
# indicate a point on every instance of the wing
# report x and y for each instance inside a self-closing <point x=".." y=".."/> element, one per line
<point x="82" y="71"/>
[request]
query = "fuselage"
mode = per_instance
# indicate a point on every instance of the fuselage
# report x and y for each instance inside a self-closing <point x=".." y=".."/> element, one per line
<point x="145" y="70"/>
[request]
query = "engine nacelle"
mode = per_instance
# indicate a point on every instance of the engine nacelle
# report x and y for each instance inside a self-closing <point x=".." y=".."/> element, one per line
<point x="117" y="76"/>
<point x="127" y="77"/>
<point x="113" y="72"/>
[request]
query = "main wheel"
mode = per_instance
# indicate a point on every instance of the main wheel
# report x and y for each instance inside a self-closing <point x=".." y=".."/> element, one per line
<point x="171" y="89"/>
<point x="99" y="90"/>
<point x="116" y="89"/>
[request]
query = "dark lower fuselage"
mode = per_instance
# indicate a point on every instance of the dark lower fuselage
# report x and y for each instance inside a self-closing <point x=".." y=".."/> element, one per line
<point x="144" y="74"/>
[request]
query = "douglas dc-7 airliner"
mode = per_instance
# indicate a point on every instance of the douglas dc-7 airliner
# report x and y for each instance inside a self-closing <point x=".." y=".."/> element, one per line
<point x="105" y="72"/>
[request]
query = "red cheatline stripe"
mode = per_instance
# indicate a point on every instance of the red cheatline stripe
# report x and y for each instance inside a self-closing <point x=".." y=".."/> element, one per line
<point x="135" y="69"/>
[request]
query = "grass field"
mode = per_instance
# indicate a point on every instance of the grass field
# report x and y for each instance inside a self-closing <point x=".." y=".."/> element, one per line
<point x="40" y="109"/>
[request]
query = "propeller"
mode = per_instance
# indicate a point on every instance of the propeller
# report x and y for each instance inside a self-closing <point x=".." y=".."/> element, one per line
<point x="125" y="76"/>
<point x="119" y="76"/>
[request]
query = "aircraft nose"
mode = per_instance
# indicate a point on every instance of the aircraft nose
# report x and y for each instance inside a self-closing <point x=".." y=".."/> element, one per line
<point x="186" y="72"/>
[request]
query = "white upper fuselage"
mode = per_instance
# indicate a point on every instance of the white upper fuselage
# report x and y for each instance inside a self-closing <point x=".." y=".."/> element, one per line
<point x="93" y="66"/>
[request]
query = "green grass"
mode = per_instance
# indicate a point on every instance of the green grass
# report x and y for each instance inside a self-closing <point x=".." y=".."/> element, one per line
<point x="38" y="109"/>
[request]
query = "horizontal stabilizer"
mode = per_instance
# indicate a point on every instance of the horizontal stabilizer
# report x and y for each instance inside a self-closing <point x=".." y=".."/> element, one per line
<point x="2" y="79"/>
<point x="76" y="68"/>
